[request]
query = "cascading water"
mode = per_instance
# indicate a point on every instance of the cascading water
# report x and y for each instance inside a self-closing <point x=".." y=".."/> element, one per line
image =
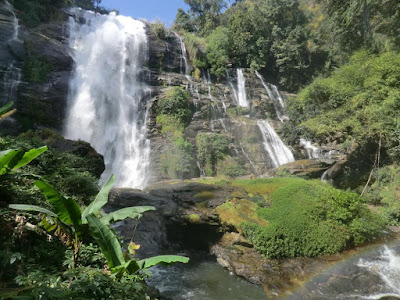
<point x="185" y="68"/>
<point x="12" y="75"/>
<point x="387" y="267"/>
<point x="107" y="102"/>
<point x="15" y="23"/>
<point x="310" y="149"/>
<point x="12" y="79"/>
<point x="275" y="97"/>
<point x="314" y="152"/>
<point x="372" y="272"/>
<point x="242" y="97"/>
<point x="276" y="149"/>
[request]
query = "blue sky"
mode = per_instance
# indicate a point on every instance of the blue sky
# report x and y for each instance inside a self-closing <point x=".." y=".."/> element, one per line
<point x="148" y="9"/>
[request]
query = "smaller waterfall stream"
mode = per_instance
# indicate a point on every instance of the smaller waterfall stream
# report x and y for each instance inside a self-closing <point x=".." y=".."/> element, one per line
<point x="185" y="68"/>
<point x="242" y="97"/>
<point x="12" y="79"/>
<point x="276" y="149"/>
<point x="275" y="97"/>
<point x="239" y="92"/>
<point x="12" y="75"/>
<point x="15" y="23"/>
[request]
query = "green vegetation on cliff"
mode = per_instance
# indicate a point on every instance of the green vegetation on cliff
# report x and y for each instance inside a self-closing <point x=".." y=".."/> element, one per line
<point x="305" y="218"/>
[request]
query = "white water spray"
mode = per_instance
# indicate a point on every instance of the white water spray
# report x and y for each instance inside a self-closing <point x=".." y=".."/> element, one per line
<point x="276" y="149"/>
<point x="107" y="105"/>
<point x="387" y="267"/>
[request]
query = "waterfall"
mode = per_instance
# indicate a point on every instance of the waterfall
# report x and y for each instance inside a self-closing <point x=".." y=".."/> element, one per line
<point x="242" y="98"/>
<point x="276" y="98"/>
<point x="387" y="267"/>
<point x="276" y="149"/>
<point x="314" y="152"/>
<point x="239" y="92"/>
<point x="12" y="79"/>
<point x="12" y="75"/>
<point x="108" y="100"/>
<point x="185" y="68"/>
<point x="15" y="23"/>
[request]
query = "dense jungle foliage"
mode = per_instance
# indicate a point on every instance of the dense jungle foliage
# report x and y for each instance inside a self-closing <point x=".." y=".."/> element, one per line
<point x="293" y="40"/>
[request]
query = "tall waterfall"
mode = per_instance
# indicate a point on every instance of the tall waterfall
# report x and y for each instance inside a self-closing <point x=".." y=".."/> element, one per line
<point x="276" y="149"/>
<point x="107" y="101"/>
<point x="275" y="97"/>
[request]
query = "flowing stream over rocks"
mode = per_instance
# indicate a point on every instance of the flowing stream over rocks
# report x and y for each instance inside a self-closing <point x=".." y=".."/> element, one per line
<point x="108" y="96"/>
<point x="372" y="274"/>
<point x="277" y="150"/>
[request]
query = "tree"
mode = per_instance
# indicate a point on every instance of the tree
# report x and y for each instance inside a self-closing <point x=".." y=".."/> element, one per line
<point x="218" y="49"/>
<point x="205" y="14"/>
<point x="183" y="21"/>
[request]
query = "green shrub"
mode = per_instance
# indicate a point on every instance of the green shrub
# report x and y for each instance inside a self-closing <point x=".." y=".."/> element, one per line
<point x="230" y="167"/>
<point x="176" y="102"/>
<point x="310" y="218"/>
<point x="159" y="30"/>
<point x="178" y="161"/>
<point x="195" y="47"/>
<point x="73" y="171"/>
<point x="385" y="191"/>
<point x="36" y="69"/>
<point x="211" y="148"/>
<point x="81" y="283"/>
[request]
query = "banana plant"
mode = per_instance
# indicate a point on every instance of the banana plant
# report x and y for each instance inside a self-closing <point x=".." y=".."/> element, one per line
<point x="6" y="111"/>
<point x="13" y="159"/>
<point x="117" y="261"/>
<point x="68" y="219"/>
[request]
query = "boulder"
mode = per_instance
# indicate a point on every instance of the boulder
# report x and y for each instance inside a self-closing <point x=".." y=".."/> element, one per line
<point x="306" y="168"/>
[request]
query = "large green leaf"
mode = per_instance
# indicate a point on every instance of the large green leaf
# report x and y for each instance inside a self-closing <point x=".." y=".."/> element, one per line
<point x="161" y="259"/>
<point x="100" y="200"/>
<point x="67" y="210"/>
<point x="106" y="240"/>
<point x="6" y="108"/>
<point x="29" y="156"/>
<point x="27" y="207"/>
<point x="8" y="159"/>
<point x="130" y="267"/>
<point x="134" y="212"/>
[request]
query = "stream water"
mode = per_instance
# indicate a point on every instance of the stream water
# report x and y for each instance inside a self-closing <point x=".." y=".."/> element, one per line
<point x="371" y="274"/>
<point x="202" y="279"/>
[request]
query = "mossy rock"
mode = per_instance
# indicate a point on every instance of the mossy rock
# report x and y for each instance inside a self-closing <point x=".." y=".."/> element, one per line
<point x="237" y="211"/>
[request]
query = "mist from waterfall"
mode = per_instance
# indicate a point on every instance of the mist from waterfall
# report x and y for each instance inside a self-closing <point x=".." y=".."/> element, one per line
<point x="274" y="146"/>
<point x="108" y="99"/>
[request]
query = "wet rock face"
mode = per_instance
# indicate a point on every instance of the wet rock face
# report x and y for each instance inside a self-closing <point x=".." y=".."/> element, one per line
<point x="42" y="58"/>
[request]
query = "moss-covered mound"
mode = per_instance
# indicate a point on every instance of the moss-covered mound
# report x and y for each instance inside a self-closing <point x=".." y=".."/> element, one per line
<point x="302" y="217"/>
